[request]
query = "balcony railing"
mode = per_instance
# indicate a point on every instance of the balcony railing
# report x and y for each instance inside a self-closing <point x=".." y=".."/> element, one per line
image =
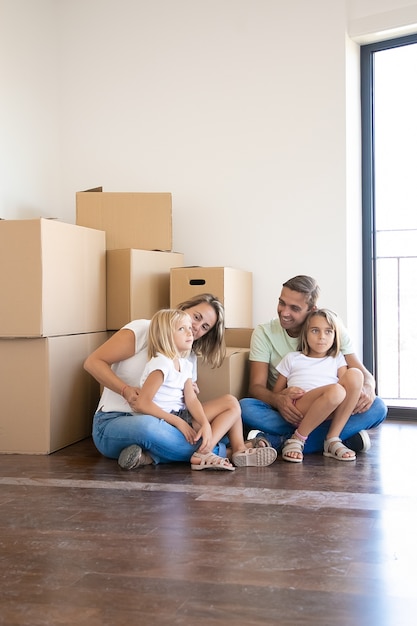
<point x="396" y="316"/>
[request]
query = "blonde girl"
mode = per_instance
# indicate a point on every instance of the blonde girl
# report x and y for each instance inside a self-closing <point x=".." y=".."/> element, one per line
<point x="167" y="392"/>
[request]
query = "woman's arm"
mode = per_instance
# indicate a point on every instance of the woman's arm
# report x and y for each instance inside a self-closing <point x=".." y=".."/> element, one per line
<point x="119" y="347"/>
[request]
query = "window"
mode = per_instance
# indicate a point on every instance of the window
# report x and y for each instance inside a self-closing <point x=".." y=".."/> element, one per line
<point x="389" y="168"/>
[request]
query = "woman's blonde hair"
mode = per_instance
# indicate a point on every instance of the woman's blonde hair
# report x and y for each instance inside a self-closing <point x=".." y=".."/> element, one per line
<point x="211" y="347"/>
<point x="332" y="321"/>
<point x="161" y="333"/>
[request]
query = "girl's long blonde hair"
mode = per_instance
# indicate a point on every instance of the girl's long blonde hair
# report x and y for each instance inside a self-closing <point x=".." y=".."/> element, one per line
<point x="332" y="321"/>
<point x="161" y="333"/>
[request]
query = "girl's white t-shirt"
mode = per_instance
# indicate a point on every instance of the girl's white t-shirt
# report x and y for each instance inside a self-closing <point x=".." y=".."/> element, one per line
<point x="308" y="373"/>
<point x="130" y="370"/>
<point x="170" y="395"/>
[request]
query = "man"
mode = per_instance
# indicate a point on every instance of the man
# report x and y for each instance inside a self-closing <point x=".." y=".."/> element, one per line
<point x="276" y="414"/>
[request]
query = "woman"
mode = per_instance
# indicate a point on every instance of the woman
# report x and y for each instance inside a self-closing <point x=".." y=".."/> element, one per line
<point x="118" y="365"/>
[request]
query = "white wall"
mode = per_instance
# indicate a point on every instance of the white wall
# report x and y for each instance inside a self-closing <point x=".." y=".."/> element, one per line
<point x="30" y="149"/>
<point x="240" y="108"/>
<point x="378" y="20"/>
<point x="219" y="103"/>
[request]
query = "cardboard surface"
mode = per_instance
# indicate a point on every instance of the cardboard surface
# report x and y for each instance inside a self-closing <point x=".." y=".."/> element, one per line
<point x="59" y="399"/>
<point x="52" y="279"/>
<point x="238" y="337"/>
<point x="138" y="284"/>
<point x="232" y="377"/>
<point x="131" y="220"/>
<point x="233" y="287"/>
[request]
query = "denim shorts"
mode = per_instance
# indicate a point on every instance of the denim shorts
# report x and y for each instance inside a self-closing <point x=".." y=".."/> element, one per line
<point x="185" y="415"/>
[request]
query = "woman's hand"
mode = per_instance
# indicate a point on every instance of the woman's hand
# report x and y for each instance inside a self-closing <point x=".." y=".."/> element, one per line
<point x="131" y="394"/>
<point x="285" y="404"/>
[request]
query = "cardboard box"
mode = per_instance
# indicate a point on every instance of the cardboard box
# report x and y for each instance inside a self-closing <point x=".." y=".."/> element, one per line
<point x="232" y="377"/>
<point x="138" y="284"/>
<point x="52" y="279"/>
<point x="233" y="287"/>
<point x="238" y="337"/>
<point x="131" y="220"/>
<point x="47" y="398"/>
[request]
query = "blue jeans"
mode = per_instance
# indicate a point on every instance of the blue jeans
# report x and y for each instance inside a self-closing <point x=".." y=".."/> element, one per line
<point x="257" y="415"/>
<point x="114" y="431"/>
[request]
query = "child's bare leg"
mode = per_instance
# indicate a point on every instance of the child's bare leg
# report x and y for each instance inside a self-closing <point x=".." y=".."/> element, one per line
<point x="316" y="405"/>
<point x="224" y="416"/>
<point x="352" y="381"/>
<point x="222" y="413"/>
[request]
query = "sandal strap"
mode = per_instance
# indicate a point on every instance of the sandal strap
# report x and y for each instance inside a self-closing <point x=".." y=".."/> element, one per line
<point x="338" y="449"/>
<point x="211" y="459"/>
<point x="332" y="439"/>
<point x="293" y="445"/>
<point x="257" y="440"/>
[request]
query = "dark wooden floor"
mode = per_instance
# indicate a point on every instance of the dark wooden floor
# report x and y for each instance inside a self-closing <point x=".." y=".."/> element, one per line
<point x="323" y="543"/>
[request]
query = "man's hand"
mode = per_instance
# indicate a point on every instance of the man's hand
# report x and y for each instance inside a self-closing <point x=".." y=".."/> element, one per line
<point x="366" y="399"/>
<point x="284" y="403"/>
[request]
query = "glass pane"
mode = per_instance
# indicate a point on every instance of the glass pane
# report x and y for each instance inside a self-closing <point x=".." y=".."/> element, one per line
<point x="388" y="328"/>
<point x="396" y="223"/>
<point x="408" y="329"/>
<point x="395" y="138"/>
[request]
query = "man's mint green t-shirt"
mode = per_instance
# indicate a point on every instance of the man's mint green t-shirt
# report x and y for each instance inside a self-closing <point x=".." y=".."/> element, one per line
<point x="270" y="343"/>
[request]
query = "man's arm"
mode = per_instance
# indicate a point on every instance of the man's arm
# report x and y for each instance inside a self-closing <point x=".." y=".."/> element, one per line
<point x="258" y="379"/>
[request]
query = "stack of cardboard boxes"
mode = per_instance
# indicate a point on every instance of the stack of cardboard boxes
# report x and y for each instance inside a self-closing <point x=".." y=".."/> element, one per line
<point x="233" y="287"/>
<point x="52" y="315"/>
<point x="138" y="229"/>
<point x="64" y="288"/>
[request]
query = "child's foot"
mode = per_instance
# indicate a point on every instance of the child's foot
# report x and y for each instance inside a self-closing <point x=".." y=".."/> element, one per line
<point x="292" y="450"/>
<point x="334" y="448"/>
<point x="255" y="457"/>
<point x="258" y="441"/>
<point x="211" y="461"/>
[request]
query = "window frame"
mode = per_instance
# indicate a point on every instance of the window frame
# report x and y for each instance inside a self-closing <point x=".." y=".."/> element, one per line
<point x="367" y="53"/>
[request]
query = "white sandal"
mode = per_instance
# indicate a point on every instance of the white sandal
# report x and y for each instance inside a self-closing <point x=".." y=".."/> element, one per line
<point x="211" y="461"/>
<point x="294" y="444"/>
<point x="255" y="457"/>
<point x="334" y="448"/>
